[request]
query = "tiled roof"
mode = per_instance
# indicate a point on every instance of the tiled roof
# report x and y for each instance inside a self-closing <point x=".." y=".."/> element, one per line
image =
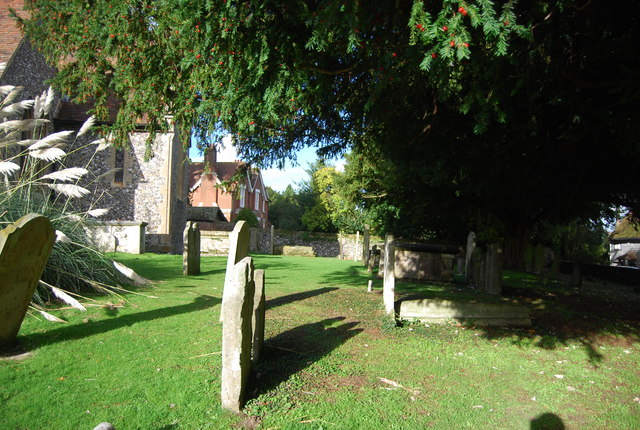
<point x="9" y="32"/>
<point x="223" y="170"/>
<point x="625" y="229"/>
<point x="226" y="170"/>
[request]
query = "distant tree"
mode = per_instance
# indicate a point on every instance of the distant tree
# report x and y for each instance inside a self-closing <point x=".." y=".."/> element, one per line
<point x="284" y="210"/>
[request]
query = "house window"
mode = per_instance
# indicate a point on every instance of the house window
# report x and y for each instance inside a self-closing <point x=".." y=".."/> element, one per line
<point x="242" y="195"/>
<point x="257" y="202"/>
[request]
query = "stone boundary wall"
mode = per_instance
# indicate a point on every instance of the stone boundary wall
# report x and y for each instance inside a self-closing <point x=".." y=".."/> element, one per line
<point x="118" y="236"/>
<point x="323" y="244"/>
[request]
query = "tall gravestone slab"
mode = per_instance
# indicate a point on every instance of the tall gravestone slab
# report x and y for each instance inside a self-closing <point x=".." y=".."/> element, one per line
<point x="238" y="249"/>
<point x="191" y="250"/>
<point x="388" y="289"/>
<point x="371" y="260"/>
<point x="237" y="334"/>
<point x="257" y="322"/>
<point x="471" y="246"/>
<point x="24" y="249"/>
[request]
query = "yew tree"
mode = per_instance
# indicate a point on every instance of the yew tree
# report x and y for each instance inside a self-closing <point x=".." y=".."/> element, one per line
<point x="277" y="74"/>
<point x="507" y="112"/>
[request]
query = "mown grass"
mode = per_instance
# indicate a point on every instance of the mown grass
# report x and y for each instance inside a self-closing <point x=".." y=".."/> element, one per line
<point x="330" y="361"/>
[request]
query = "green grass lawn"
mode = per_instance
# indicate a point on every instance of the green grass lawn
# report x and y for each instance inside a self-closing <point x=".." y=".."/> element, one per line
<point x="331" y="360"/>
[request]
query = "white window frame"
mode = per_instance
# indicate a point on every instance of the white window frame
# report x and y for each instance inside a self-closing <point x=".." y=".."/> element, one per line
<point x="242" y="195"/>
<point x="257" y="200"/>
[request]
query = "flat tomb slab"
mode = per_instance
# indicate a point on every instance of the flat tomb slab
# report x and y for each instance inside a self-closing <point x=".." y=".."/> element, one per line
<point x="479" y="313"/>
<point x="301" y="251"/>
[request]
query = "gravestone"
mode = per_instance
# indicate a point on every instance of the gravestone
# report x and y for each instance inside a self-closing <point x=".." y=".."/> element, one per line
<point x="471" y="246"/>
<point x="237" y="333"/>
<point x="191" y="250"/>
<point x="388" y="289"/>
<point x="258" y="316"/>
<point x="238" y="249"/>
<point x="485" y="269"/>
<point x="24" y="249"/>
<point x="365" y="246"/>
<point x="355" y="251"/>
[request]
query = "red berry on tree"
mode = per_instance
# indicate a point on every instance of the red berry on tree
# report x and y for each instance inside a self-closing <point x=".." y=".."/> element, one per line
<point x="445" y="28"/>
<point x="434" y="55"/>
<point x="452" y="43"/>
<point x="198" y="56"/>
<point x="393" y="54"/>
<point x="463" y="11"/>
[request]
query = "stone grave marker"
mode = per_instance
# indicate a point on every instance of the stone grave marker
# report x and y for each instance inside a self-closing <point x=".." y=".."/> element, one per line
<point x="237" y="333"/>
<point x="24" y="249"/>
<point x="388" y="291"/>
<point x="258" y="316"/>
<point x="191" y="251"/>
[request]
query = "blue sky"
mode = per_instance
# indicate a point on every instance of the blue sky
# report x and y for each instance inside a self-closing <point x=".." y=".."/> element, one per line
<point x="276" y="178"/>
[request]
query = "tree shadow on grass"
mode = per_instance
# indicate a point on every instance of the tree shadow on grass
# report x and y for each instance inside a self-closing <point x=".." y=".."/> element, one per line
<point x="353" y="276"/>
<point x="560" y="317"/>
<point x="79" y="331"/>
<point x="295" y="349"/>
<point x="290" y="298"/>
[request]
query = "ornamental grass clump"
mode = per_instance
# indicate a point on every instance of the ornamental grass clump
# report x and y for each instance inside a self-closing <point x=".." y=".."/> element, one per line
<point x="34" y="178"/>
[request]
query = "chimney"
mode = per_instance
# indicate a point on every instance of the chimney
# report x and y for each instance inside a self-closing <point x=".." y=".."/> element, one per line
<point x="210" y="159"/>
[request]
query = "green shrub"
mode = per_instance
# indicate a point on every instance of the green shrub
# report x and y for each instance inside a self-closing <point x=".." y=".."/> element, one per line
<point x="247" y="215"/>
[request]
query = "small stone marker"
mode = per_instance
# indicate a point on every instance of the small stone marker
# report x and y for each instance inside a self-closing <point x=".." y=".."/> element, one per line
<point x="258" y="316"/>
<point x="237" y="333"/>
<point x="388" y="292"/>
<point x="191" y="252"/>
<point x="104" y="426"/>
<point x="471" y="246"/>
<point x="24" y="250"/>
<point x="370" y="286"/>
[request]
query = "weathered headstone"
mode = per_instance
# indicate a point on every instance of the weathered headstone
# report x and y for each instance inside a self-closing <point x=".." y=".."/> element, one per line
<point x="238" y="249"/>
<point x="24" y="249"/>
<point x="485" y="269"/>
<point x="471" y="246"/>
<point x="258" y="316"/>
<point x="388" y="291"/>
<point x="237" y="334"/>
<point x="191" y="250"/>
<point x="365" y="246"/>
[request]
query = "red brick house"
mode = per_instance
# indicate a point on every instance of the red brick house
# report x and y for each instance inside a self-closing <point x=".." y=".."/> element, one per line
<point x="205" y="189"/>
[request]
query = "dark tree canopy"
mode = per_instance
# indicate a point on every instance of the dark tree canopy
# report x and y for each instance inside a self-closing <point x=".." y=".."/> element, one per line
<point x="494" y="112"/>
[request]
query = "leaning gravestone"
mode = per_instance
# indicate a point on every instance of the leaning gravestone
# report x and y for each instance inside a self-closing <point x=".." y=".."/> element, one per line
<point x="258" y="316"/>
<point x="365" y="245"/>
<point x="191" y="252"/>
<point x="238" y="249"/>
<point x="237" y="333"/>
<point x="24" y="249"/>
